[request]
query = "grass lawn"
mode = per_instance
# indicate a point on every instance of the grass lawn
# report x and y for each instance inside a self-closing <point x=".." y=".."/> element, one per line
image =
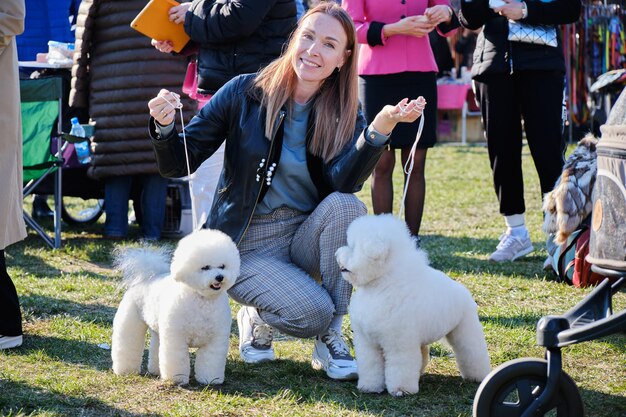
<point x="69" y="297"/>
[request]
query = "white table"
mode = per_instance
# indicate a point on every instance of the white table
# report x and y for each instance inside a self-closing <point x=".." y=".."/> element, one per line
<point x="35" y="64"/>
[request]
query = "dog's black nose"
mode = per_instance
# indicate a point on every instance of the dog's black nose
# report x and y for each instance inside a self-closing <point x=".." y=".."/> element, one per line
<point x="219" y="278"/>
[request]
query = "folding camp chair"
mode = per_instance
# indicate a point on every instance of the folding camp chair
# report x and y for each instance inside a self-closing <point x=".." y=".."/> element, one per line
<point x="41" y="101"/>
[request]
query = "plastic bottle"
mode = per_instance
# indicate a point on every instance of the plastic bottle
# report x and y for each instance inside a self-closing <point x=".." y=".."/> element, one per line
<point x="466" y="75"/>
<point x="82" y="148"/>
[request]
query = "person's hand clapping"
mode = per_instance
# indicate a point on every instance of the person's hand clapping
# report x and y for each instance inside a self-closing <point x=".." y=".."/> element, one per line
<point x="163" y="107"/>
<point x="177" y="13"/>
<point x="404" y="112"/>
<point x="416" y="26"/>
<point x="438" y="14"/>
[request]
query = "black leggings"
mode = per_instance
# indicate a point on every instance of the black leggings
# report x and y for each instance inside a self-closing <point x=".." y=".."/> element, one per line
<point x="10" y="316"/>
<point x="505" y="99"/>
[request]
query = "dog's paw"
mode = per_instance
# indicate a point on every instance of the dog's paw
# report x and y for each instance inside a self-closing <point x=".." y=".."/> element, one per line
<point x="217" y="380"/>
<point x="371" y="388"/>
<point x="177" y="379"/>
<point x="125" y="370"/>
<point x="402" y="391"/>
<point x="476" y="376"/>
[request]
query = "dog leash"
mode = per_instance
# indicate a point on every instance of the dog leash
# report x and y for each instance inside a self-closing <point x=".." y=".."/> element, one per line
<point x="410" y="162"/>
<point x="179" y="105"/>
<point x="408" y="166"/>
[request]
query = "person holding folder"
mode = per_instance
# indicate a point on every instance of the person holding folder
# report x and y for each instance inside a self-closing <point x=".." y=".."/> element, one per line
<point x="229" y="38"/>
<point x="116" y="70"/>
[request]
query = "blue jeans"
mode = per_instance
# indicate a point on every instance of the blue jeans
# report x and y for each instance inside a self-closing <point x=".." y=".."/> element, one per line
<point x="117" y="192"/>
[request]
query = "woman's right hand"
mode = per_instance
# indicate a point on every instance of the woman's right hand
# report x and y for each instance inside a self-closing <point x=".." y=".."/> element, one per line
<point x="163" y="46"/>
<point x="162" y="107"/>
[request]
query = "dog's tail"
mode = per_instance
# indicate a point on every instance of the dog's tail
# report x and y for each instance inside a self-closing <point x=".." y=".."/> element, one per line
<point x="141" y="264"/>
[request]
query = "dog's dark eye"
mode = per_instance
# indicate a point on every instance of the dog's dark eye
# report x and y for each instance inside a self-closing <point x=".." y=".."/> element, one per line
<point x="206" y="267"/>
<point x="222" y="266"/>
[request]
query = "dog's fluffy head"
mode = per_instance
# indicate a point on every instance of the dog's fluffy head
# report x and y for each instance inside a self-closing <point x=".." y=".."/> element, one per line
<point x="377" y="246"/>
<point x="206" y="260"/>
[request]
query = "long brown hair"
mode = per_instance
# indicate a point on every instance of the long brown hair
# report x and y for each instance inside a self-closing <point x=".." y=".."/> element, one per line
<point x="335" y="104"/>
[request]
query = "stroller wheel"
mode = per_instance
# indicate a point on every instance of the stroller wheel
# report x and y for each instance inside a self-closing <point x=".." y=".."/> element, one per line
<point x="510" y="388"/>
<point x="77" y="211"/>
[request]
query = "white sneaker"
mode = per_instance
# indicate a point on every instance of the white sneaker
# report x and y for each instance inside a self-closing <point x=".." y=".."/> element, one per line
<point x="255" y="336"/>
<point x="8" y="342"/>
<point x="332" y="355"/>
<point x="511" y="247"/>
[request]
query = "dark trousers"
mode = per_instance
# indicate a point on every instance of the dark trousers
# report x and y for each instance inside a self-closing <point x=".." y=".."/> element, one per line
<point x="506" y="99"/>
<point x="10" y="315"/>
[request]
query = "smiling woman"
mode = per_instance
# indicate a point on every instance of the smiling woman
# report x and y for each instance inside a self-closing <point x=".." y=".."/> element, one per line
<point x="297" y="148"/>
<point x="319" y="51"/>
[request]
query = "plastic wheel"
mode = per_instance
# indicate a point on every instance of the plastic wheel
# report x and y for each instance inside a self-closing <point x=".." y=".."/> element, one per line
<point x="510" y="389"/>
<point x="76" y="211"/>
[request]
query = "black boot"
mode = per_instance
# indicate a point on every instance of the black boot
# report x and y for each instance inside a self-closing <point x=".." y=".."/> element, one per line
<point x="41" y="210"/>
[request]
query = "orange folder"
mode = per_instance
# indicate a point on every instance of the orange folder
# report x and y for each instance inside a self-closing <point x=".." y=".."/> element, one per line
<point x="154" y="22"/>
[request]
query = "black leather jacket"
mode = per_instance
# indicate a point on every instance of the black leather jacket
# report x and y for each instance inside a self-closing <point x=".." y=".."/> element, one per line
<point x="234" y="116"/>
<point x="494" y="54"/>
<point x="237" y="36"/>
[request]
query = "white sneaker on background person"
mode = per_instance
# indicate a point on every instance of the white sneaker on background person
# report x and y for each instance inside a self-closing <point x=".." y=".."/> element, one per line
<point x="511" y="247"/>
<point x="9" y="342"/>
<point x="255" y="336"/>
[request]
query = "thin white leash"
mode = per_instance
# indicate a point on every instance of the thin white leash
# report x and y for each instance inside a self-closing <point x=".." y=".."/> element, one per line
<point x="178" y="105"/>
<point x="408" y="166"/>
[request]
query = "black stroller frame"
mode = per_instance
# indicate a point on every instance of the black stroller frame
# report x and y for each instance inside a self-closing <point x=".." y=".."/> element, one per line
<point x="539" y="386"/>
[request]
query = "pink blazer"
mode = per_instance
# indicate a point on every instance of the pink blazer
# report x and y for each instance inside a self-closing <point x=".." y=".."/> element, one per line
<point x="398" y="53"/>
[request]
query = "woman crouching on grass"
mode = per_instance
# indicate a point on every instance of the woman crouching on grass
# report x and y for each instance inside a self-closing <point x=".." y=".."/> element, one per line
<point x="297" y="148"/>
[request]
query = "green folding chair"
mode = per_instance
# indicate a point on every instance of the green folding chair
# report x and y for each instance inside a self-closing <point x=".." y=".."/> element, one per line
<point x="41" y="101"/>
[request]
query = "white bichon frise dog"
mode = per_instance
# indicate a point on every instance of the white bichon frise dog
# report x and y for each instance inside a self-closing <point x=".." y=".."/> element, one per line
<point x="184" y="306"/>
<point x="401" y="305"/>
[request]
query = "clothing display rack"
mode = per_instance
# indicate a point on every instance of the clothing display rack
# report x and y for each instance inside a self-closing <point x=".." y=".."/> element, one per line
<point x="593" y="46"/>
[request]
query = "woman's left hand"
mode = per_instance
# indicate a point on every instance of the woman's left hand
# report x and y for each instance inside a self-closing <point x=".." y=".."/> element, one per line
<point x="513" y="10"/>
<point x="404" y="112"/>
<point x="439" y="14"/>
<point x="177" y="13"/>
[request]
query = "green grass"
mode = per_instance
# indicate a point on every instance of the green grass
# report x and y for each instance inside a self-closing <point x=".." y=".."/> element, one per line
<point x="69" y="297"/>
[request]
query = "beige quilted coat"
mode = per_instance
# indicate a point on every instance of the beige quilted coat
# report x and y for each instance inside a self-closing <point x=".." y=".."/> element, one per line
<point x="12" y="227"/>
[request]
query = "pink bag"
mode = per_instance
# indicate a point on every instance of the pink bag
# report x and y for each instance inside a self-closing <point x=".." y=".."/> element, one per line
<point x="190" y="85"/>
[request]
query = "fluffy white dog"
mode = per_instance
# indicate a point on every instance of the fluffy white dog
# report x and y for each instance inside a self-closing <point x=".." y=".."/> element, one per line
<point x="184" y="306"/>
<point x="401" y="305"/>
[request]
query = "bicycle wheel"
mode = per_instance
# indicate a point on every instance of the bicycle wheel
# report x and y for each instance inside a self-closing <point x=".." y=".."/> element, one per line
<point x="510" y="389"/>
<point x="76" y="211"/>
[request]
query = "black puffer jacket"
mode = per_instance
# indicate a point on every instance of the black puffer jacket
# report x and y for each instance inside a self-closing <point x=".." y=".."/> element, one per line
<point x="237" y="36"/>
<point x="116" y="72"/>
<point x="494" y="54"/>
<point x="233" y="115"/>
